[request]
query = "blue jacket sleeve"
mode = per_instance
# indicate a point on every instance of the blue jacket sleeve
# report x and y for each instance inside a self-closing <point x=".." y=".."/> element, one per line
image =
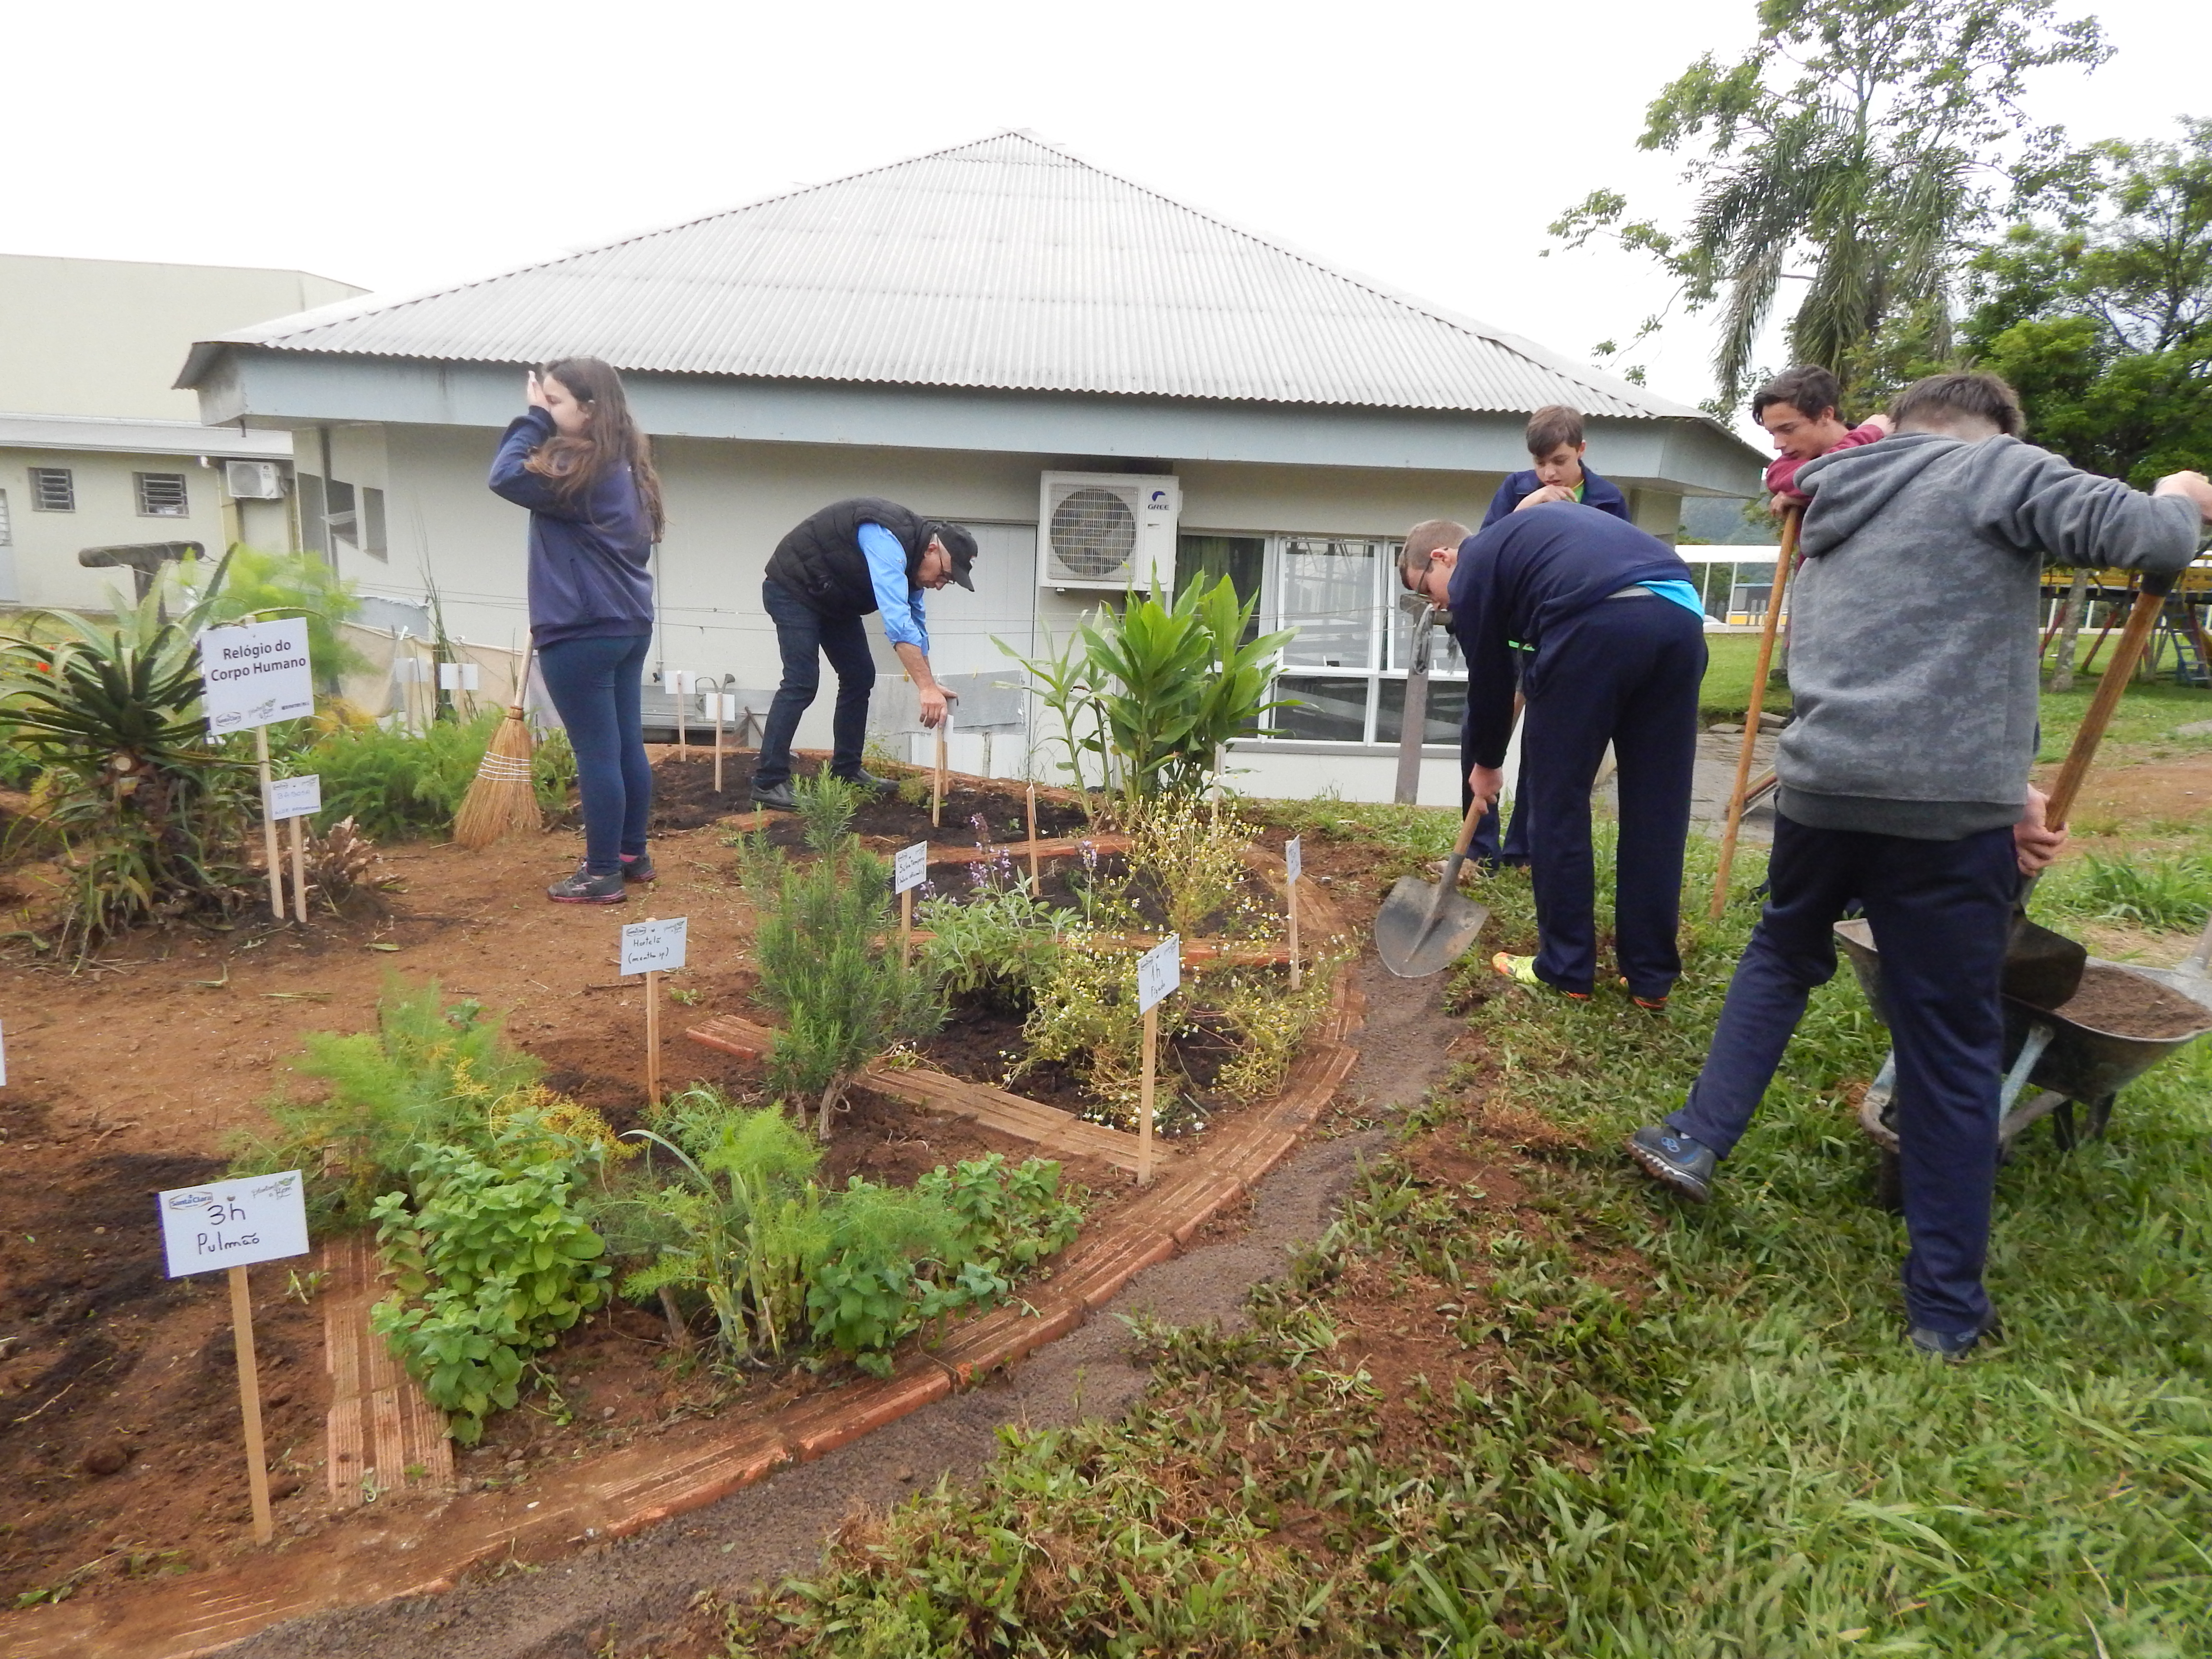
<point x="1605" y="497"/>
<point x="510" y="478"/>
<point x="1479" y="620"/>
<point x="904" y="622"/>
<point x="1508" y="496"/>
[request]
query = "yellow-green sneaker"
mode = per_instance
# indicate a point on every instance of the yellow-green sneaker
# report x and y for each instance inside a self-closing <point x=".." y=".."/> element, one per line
<point x="1522" y="970"/>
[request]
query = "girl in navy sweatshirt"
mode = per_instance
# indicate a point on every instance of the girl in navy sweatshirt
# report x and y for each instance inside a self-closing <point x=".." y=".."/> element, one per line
<point x="578" y="462"/>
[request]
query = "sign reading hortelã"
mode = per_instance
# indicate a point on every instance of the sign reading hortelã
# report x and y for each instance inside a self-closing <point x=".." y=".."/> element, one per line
<point x="655" y="947"/>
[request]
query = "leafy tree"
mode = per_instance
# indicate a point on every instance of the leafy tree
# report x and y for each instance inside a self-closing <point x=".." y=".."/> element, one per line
<point x="1858" y="146"/>
<point x="2100" y="313"/>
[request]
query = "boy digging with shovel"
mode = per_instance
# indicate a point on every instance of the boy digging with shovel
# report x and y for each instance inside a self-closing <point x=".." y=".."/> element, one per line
<point x="1912" y="664"/>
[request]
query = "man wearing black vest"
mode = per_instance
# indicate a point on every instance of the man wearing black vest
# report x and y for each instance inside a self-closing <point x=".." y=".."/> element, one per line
<point x="833" y="568"/>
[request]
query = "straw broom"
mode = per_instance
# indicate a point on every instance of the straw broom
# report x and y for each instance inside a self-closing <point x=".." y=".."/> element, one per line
<point x="502" y="801"/>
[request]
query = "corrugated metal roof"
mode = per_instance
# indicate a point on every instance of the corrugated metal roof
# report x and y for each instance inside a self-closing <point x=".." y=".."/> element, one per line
<point x="1007" y="263"/>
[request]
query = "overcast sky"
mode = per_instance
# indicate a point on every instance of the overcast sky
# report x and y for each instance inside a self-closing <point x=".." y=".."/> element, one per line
<point x="403" y="145"/>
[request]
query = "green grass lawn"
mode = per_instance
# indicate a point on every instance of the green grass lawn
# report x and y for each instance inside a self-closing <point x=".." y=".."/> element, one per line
<point x="1703" y="1436"/>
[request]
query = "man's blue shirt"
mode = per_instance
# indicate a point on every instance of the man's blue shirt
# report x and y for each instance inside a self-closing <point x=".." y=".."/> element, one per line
<point x="905" y="622"/>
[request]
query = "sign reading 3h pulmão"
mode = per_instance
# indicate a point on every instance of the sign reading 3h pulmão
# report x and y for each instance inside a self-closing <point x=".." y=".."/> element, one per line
<point x="256" y="674"/>
<point x="234" y="1222"/>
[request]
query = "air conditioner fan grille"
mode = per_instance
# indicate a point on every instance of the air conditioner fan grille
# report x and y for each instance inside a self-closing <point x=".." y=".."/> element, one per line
<point x="1094" y="534"/>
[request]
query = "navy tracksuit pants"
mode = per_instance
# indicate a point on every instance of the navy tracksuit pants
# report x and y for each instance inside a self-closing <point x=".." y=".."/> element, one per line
<point x="1941" y="914"/>
<point x="1624" y="672"/>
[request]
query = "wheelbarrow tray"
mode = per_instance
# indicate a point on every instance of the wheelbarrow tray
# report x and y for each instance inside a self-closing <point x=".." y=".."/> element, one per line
<point x="2082" y="1063"/>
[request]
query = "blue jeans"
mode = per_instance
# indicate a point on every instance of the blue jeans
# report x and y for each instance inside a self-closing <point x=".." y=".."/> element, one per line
<point x="1623" y="672"/>
<point x="804" y="635"/>
<point x="1942" y="913"/>
<point x="596" y="684"/>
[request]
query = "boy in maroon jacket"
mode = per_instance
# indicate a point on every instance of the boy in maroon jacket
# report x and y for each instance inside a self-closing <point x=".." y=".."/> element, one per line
<point x="1798" y="410"/>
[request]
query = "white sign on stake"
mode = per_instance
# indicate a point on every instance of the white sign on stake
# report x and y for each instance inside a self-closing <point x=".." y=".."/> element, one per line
<point x="234" y="1222"/>
<point x="1293" y="857"/>
<point x="256" y="674"/>
<point x="679" y="682"/>
<point x="459" y="677"/>
<point x="3" y="1059"/>
<point x="655" y="947"/>
<point x="295" y="797"/>
<point x="1159" y="973"/>
<point x="910" y="867"/>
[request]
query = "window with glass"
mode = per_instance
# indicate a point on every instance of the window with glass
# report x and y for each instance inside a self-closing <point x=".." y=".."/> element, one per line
<point x="161" y="496"/>
<point x="1347" y="666"/>
<point x="53" y="490"/>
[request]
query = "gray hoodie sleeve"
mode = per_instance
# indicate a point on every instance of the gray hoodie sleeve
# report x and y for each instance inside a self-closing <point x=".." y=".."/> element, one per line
<point x="2037" y="503"/>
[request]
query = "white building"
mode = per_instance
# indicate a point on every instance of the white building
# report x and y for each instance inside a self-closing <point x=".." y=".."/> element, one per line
<point x="954" y="332"/>
<point x="98" y="448"/>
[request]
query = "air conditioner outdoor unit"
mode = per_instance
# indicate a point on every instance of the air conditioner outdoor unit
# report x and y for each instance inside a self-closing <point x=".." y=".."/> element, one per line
<point x="253" y="481"/>
<point x="1106" y="529"/>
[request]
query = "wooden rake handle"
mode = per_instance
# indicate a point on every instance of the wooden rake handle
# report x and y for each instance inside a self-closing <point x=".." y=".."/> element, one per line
<point x="2133" y="638"/>
<point x="1786" y="557"/>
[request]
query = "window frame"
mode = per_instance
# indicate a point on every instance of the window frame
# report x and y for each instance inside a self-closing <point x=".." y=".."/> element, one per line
<point x="40" y="475"/>
<point x="183" y="508"/>
<point x="1386" y="649"/>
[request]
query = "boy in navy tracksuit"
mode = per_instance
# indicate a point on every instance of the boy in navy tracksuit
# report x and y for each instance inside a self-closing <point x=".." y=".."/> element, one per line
<point x="1555" y="443"/>
<point x="1618" y="634"/>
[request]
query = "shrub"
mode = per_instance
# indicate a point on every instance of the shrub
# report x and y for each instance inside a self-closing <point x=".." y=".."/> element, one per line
<point x="844" y="998"/>
<point x="253" y="582"/>
<point x="150" y="815"/>
<point x="397" y="785"/>
<point x="1151" y="693"/>
<point x="1193" y="851"/>
<point x="745" y="1228"/>
<point x="492" y="1262"/>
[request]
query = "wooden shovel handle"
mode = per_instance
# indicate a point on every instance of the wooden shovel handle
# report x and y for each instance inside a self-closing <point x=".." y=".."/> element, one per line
<point x="1785" y="556"/>
<point x="2109" y="689"/>
<point x="1467" y="826"/>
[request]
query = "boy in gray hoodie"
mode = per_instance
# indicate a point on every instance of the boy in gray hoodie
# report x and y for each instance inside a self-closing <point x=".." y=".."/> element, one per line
<point x="1913" y="668"/>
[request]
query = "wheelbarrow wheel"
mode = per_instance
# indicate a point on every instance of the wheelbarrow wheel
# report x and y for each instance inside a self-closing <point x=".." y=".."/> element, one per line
<point x="1889" y="1181"/>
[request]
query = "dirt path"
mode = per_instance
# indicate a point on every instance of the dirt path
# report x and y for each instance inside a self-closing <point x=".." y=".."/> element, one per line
<point x="629" y="1596"/>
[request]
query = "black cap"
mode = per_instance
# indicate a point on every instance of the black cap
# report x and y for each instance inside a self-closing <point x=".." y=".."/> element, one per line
<point x="961" y="545"/>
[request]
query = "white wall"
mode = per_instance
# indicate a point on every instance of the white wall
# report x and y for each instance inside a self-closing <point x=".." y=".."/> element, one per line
<point x="729" y="502"/>
<point x="45" y="544"/>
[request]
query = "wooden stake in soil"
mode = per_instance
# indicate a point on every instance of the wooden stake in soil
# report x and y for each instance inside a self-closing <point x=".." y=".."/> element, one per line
<point x="652" y="947"/>
<point x="718" y="742"/>
<point x="1035" y="889"/>
<point x="909" y="869"/>
<point x="937" y="781"/>
<point x="300" y="870"/>
<point x="249" y="1400"/>
<point x="231" y="1225"/>
<point x="268" y="826"/>
<point x="1787" y="556"/>
<point x="1293" y="868"/>
<point x="1159" y="971"/>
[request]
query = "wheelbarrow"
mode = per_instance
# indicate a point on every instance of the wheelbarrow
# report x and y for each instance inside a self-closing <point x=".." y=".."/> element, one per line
<point x="2065" y="1062"/>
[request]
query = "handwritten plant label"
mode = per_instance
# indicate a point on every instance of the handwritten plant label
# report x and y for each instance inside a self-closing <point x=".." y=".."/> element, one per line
<point x="458" y="677"/>
<point x="1294" y="860"/>
<point x="655" y="947"/>
<point x="295" y="797"/>
<point x="256" y="674"/>
<point x="910" y="867"/>
<point x="234" y="1222"/>
<point x="1159" y="973"/>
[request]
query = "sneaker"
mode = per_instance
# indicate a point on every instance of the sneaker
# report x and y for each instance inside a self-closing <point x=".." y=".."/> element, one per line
<point x="1655" y="1004"/>
<point x="584" y="888"/>
<point x="1952" y="1346"/>
<point x="1522" y="970"/>
<point x="777" y="796"/>
<point x="638" y="866"/>
<point x="868" y="781"/>
<point x="1684" y="1164"/>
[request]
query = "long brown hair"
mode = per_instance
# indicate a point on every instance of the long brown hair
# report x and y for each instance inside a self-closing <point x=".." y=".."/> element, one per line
<point x="575" y="464"/>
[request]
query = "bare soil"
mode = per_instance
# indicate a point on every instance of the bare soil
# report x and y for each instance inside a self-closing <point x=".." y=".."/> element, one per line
<point x="683" y="798"/>
<point x="134" y="1074"/>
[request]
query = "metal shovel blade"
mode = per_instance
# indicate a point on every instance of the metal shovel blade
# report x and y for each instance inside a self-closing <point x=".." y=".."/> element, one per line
<point x="1424" y="928"/>
<point x="2042" y="968"/>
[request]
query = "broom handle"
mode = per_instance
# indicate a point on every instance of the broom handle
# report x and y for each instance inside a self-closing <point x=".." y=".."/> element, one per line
<point x="1785" y="556"/>
<point x="2110" y="689"/>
